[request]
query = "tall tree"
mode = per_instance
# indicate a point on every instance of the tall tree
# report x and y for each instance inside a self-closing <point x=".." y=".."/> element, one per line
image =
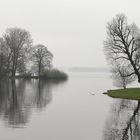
<point x="18" y="42"/>
<point x="42" y="58"/>
<point x="123" y="44"/>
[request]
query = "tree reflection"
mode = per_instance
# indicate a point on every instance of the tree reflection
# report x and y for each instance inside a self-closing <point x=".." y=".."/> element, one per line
<point x="123" y="123"/>
<point x="18" y="98"/>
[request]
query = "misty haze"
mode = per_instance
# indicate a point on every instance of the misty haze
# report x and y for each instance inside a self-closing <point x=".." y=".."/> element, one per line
<point x="69" y="70"/>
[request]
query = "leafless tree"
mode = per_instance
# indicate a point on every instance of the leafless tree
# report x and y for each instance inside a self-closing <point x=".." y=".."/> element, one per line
<point x="42" y="58"/>
<point x="17" y="42"/>
<point x="119" y="75"/>
<point x="123" y="45"/>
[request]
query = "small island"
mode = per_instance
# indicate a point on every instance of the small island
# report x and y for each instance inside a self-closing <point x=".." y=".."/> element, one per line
<point x="53" y="74"/>
<point x="19" y="58"/>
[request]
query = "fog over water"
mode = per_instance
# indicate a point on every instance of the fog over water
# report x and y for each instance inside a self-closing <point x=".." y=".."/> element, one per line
<point x="73" y="109"/>
<point x="76" y="108"/>
<point x="54" y="109"/>
<point x="73" y="30"/>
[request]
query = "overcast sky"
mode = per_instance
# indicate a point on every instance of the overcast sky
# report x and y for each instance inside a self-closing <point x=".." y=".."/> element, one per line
<point x="73" y="30"/>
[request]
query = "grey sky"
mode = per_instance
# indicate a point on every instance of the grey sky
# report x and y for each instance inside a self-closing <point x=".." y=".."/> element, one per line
<point x="73" y="30"/>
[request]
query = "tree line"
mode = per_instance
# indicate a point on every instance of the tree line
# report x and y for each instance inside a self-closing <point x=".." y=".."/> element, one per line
<point x="18" y="55"/>
<point x="122" y="48"/>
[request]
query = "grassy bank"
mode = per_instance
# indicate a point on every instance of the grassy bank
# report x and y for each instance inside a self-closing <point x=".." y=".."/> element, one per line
<point x="129" y="93"/>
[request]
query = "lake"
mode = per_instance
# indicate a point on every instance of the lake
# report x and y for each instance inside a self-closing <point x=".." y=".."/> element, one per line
<point x="74" y="109"/>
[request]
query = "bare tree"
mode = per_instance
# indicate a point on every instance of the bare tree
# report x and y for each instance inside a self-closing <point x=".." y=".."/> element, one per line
<point x="119" y="75"/>
<point x="42" y="58"/>
<point x="17" y="42"/>
<point x="123" y="45"/>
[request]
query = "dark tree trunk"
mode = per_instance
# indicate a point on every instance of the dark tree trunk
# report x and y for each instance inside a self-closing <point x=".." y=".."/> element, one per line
<point x="39" y="71"/>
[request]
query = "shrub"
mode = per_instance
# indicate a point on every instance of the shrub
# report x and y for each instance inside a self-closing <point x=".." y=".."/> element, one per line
<point x="54" y="74"/>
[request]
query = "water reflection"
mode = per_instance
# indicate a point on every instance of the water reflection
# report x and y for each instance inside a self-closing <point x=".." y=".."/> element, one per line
<point x="18" y="98"/>
<point x="123" y="123"/>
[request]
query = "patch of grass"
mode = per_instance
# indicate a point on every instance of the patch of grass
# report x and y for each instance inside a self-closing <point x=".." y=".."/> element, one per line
<point x="129" y="93"/>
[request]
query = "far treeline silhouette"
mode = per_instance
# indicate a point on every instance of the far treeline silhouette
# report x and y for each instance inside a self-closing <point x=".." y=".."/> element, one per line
<point x="122" y="48"/>
<point x="19" y="58"/>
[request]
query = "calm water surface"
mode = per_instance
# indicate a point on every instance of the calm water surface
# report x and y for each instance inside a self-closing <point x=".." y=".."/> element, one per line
<point x="66" y="110"/>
